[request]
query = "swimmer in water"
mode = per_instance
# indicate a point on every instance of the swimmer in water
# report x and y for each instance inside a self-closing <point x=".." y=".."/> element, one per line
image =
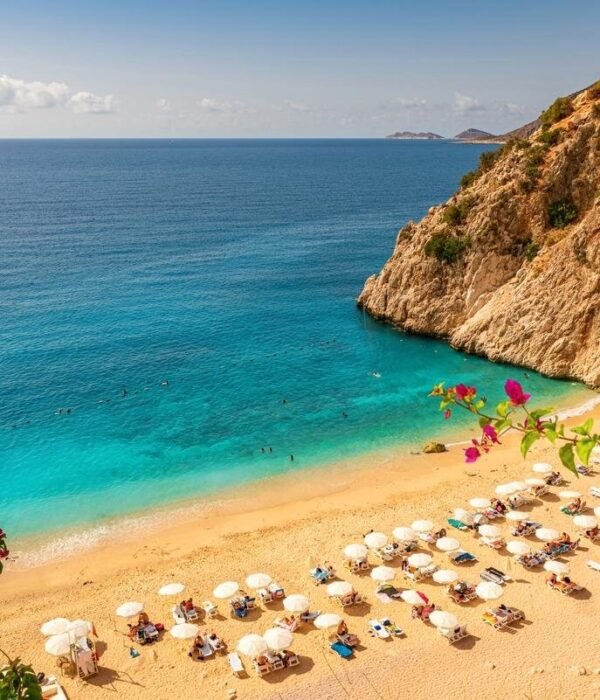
<point x="165" y="382"/>
<point x="262" y="449"/>
<point x="270" y="450"/>
<point x="344" y="414"/>
<point x="124" y="391"/>
<point x="291" y="458"/>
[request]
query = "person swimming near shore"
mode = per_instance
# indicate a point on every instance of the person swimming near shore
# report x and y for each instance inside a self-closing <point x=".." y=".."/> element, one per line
<point x="124" y="391"/>
<point x="270" y="450"/>
<point x="165" y="382"/>
<point x="291" y="458"/>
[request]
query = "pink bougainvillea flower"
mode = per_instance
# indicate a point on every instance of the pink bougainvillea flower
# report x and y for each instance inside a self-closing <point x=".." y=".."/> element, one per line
<point x="464" y="392"/>
<point x="472" y="454"/>
<point x="447" y="413"/>
<point x="515" y="393"/>
<point x="491" y="433"/>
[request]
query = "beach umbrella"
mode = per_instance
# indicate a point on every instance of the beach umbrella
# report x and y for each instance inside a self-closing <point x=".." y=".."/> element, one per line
<point x="517" y="547"/>
<point x="445" y="576"/>
<point x="517" y="515"/>
<point x="252" y="645"/>
<point x="278" y="639"/>
<point x="56" y="626"/>
<point x="505" y="489"/>
<point x="490" y="531"/>
<point x="184" y="631"/>
<point x="171" y="589"/>
<point x="58" y="644"/>
<point x="585" y="521"/>
<point x="327" y="620"/>
<point x="422" y="526"/>
<point x="355" y="551"/>
<point x="339" y="588"/>
<point x="568" y="495"/>
<point x="383" y="573"/>
<point x="547" y="534"/>
<point x="443" y="619"/>
<point x="542" y="468"/>
<point x="480" y="503"/>
<point x="296" y="603"/>
<point x="463" y="515"/>
<point x="556" y="567"/>
<point x="226" y="590"/>
<point x="596" y="453"/>
<point x="405" y="534"/>
<point x="413" y="597"/>
<point x="535" y="481"/>
<point x="447" y="544"/>
<point x="518" y="486"/>
<point x="375" y="540"/>
<point x="258" y="580"/>
<point x="130" y="609"/>
<point x="597" y="511"/>
<point x="419" y="560"/>
<point x="488" y="590"/>
<point x="80" y="628"/>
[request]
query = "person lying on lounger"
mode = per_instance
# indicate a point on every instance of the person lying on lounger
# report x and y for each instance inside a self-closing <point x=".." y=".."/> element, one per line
<point x="499" y="506"/>
<point x="195" y="652"/>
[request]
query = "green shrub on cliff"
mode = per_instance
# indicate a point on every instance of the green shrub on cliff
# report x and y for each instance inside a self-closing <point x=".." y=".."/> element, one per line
<point x="549" y="137"/>
<point x="456" y="214"/>
<point x="561" y="213"/>
<point x="594" y="91"/>
<point x="446" y="247"/>
<point x="559" y="109"/>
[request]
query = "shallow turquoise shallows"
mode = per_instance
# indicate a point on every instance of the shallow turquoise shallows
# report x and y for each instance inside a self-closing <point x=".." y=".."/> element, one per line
<point x="169" y="308"/>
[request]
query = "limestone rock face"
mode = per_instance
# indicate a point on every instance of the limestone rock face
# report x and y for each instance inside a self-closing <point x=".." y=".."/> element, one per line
<point x="525" y="288"/>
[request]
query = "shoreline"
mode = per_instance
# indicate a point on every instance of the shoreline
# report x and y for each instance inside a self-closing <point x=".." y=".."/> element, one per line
<point x="316" y="480"/>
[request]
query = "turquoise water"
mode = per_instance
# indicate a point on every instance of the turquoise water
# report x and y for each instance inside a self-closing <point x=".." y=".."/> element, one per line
<point x="228" y="269"/>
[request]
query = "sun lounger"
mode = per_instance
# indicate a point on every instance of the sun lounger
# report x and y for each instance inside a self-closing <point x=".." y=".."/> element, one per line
<point x="527" y="530"/>
<point x="342" y="650"/>
<point x="392" y="628"/>
<point x="210" y="609"/>
<point x="495" y="575"/>
<point x="585" y="471"/>
<point x="322" y="574"/>
<point x="389" y="590"/>
<point x="261" y="668"/>
<point x="291" y="626"/>
<point x="459" y="556"/>
<point x="563" y="587"/>
<point x="352" y="599"/>
<point x="593" y="564"/>
<point x="595" y="491"/>
<point x="53" y="689"/>
<point x="573" y="510"/>
<point x="235" y="663"/>
<point x="453" y="522"/>
<point x="357" y="565"/>
<point x="493" y="542"/>
<point x="454" y="635"/>
<point x="376" y="629"/>
<point x="292" y="660"/>
<point x="191" y="615"/>
<point x="215" y="642"/>
<point x="461" y="597"/>
<point x="500" y="617"/>
<point x="178" y="615"/>
<point x="530" y="561"/>
<point x="310" y="616"/>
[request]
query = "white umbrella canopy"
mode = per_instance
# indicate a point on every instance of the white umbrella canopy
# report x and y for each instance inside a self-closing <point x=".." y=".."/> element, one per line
<point x="252" y="645"/>
<point x="567" y="495"/>
<point x="383" y="573"/>
<point x="490" y="531"/>
<point x="547" y="534"/>
<point x="422" y="526"/>
<point x="327" y="620"/>
<point x="480" y="503"/>
<point x="597" y="511"/>
<point x="184" y="631"/>
<point x="171" y="589"/>
<point x="596" y="452"/>
<point x="355" y="551"/>
<point x="375" y="540"/>
<point x="419" y="560"/>
<point x="58" y="644"/>
<point x="556" y="567"/>
<point x="585" y="521"/>
<point x="517" y="547"/>
<point x="227" y="589"/>
<point x="129" y="609"/>
<point x="488" y="590"/>
<point x="296" y="603"/>
<point x="516" y="515"/>
<point x="278" y="639"/>
<point x="463" y="515"/>
<point x="80" y="628"/>
<point x="447" y="544"/>
<point x="535" y="481"/>
<point x="258" y="580"/>
<point x="542" y="468"/>
<point x="445" y="576"/>
<point x="412" y="597"/>
<point x="56" y="626"/>
<point x="504" y="489"/>
<point x="339" y="588"/>
<point x="443" y="619"/>
<point x="405" y="534"/>
<point x="518" y="486"/>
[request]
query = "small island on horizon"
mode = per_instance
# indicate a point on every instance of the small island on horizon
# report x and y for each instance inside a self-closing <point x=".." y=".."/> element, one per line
<point x="469" y="135"/>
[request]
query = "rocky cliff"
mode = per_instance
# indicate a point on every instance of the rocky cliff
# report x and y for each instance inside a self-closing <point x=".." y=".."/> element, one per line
<point x="509" y="267"/>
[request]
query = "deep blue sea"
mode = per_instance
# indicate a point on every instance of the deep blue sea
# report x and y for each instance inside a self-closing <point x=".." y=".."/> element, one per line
<point x="169" y="308"/>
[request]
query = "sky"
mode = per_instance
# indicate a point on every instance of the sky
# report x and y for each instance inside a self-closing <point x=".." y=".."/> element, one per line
<point x="267" y="68"/>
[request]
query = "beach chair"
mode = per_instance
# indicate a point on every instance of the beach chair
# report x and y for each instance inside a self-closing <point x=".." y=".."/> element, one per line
<point x="357" y="565"/>
<point x="238" y="608"/>
<point x="453" y="522"/>
<point x="215" y="642"/>
<point x="292" y="627"/>
<point x="376" y="629"/>
<point x="572" y="509"/>
<point x="262" y="669"/>
<point x="292" y="660"/>
<point x="595" y="491"/>
<point x="594" y="565"/>
<point x="235" y="663"/>
<point x="178" y="615"/>
<point x="392" y="628"/>
<point x="563" y="587"/>
<point x="454" y="635"/>
<point x="495" y="575"/>
<point x="191" y="615"/>
<point x="385" y="554"/>
<point x="342" y="650"/>
<point x="389" y="590"/>
<point x="275" y="661"/>
<point x="461" y="597"/>
<point x="493" y="542"/>
<point x="53" y="689"/>
<point x="585" y="471"/>
<point x="460" y="556"/>
<point x="210" y="609"/>
<point x="322" y="574"/>
<point x="351" y="599"/>
<point x="530" y="561"/>
<point x="83" y="653"/>
<point x="310" y="616"/>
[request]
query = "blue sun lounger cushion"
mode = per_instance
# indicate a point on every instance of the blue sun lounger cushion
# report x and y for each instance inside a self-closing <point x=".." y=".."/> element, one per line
<point x="342" y="650"/>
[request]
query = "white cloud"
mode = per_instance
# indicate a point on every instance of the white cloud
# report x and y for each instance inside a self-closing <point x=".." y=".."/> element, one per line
<point x="290" y="106"/>
<point x="409" y="103"/>
<point x="463" y="104"/>
<point x="163" y="105"/>
<point x="211" y="104"/>
<point x="88" y="103"/>
<point x="19" y="95"/>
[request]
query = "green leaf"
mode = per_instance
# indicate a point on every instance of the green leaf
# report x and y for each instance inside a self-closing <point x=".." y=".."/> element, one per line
<point x="502" y="409"/>
<point x="584" y="449"/>
<point x="550" y="433"/>
<point x="501" y="425"/>
<point x="588" y="425"/>
<point x="483" y="422"/>
<point x="528" y="439"/>
<point x="480" y="404"/>
<point x="568" y="458"/>
<point x="539" y="412"/>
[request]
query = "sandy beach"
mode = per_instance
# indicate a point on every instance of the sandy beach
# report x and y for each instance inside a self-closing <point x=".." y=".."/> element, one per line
<point x="283" y="527"/>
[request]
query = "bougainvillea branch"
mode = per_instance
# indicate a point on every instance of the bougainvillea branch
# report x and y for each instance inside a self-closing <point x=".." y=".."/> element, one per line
<point x="3" y="548"/>
<point x="513" y="415"/>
